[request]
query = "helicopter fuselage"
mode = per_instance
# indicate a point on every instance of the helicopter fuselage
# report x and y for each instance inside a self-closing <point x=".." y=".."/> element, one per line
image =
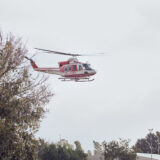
<point x="71" y="69"/>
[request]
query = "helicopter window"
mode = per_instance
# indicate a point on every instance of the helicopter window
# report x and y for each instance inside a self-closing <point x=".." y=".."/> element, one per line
<point x="86" y="66"/>
<point x="70" y="68"/>
<point x="74" y="68"/>
<point x="65" y="69"/>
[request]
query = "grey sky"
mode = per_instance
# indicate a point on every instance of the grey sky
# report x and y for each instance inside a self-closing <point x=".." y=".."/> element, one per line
<point x="123" y="101"/>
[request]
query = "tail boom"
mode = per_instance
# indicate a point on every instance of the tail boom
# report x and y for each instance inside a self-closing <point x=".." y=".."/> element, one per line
<point x="49" y="70"/>
<point x="46" y="70"/>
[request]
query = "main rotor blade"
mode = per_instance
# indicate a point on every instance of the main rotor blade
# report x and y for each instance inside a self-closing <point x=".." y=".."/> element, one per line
<point x="94" y="54"/>
<point x="68" y="54"/>
<point x="56" y="52"/>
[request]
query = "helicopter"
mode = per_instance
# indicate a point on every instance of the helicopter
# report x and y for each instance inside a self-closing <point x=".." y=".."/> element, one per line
<point x="69" y="70"/>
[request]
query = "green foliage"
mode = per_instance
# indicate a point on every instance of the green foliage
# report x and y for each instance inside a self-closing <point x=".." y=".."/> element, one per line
<point x="118" y="150"/>
<point x="22" y="100"/>
<point x="61" y="152"/>
<point x="79" y="150"/>
<point x="143" y="145"/>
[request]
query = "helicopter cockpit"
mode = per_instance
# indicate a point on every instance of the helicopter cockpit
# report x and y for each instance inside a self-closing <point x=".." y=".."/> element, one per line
<point x="86" y="66"/>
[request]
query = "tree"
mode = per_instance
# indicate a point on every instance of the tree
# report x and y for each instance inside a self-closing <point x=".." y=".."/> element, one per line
<point x="64" y="142"/>
<point x="89" y="153"/>
<point x="118" y="150"/>
<point x="80" y="151"/>
<point x="143" y="145"/>
<point x="97" y="148"/>
<point x="22" y="101"/>
<point x="48" y="152"/>
<point x="60" y="152"/>
<point x="78" y="146"/>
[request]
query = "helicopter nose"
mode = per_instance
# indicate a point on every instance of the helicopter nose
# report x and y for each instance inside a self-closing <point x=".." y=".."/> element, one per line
<point x="94" y="72"/>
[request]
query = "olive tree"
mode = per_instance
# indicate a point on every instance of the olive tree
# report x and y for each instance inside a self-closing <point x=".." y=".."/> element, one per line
<point x="22" y="101"/>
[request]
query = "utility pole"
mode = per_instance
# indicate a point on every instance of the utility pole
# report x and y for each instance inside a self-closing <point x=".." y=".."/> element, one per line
<point x="150" y="131"/>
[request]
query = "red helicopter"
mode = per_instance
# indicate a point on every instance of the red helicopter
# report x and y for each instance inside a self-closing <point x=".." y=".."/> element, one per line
<point x="70" y="70"/>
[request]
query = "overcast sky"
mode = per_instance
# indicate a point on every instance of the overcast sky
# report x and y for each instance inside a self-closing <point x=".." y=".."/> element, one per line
<point x="124" y="100"/>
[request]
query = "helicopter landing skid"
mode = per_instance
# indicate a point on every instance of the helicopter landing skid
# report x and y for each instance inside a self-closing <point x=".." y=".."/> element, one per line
<point x="76" y="79"/>
<point x="84" y="80"/>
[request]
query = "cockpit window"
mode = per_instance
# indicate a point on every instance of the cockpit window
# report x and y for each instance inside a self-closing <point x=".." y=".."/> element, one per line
<point x="86" y="66"/>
